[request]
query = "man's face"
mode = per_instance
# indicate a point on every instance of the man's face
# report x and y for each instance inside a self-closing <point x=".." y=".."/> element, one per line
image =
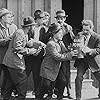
<point x="60" y="19"/>
<point x="59" y="35"/>
<point x="7" y="18"/>
<point x="40" y="21"/>
<point x="12" y="18"/>
<point x="31" y="28"/>
<point x="86" y="29"/>
<point x="46" y="20"/>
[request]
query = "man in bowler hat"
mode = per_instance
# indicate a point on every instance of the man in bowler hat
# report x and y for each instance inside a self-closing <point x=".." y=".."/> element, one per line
<point x="67" y="39"/>
<point x="56" y="52"/>
<point x="33" y="63"/>
<point x="14" y="61"/>
<point x="7" y="28"/>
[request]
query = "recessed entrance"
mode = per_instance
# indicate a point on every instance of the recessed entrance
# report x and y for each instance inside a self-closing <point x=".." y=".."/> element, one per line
<point x="75" y="10"/>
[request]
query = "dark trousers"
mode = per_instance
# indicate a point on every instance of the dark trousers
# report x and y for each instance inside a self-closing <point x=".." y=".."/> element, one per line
<point x="60" y="83"/>
<point x="1" y="65"/>
<point x="82" y="67"/>
<point x="15" y="78"/>
<point x="46" y="87"/>
<point x="66" y="69"/>
<point x="65" y="72"/>
<point x="33" y="64"/>
<point x="97" y="75"/>
<point x="3" y="80"/>
<point x="1" y="69"/>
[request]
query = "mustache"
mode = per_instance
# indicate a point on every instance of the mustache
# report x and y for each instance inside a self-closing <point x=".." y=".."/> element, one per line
<point x="85" y="33"/>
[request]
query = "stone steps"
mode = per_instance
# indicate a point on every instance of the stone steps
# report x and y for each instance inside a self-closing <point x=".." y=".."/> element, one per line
<point x="87" y="83"/>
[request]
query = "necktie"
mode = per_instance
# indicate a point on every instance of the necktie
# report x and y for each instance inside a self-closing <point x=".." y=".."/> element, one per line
<point x="63" y="48"/>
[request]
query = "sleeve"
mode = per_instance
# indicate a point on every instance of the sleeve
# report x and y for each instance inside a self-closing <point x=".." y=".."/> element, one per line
<point x="70" y="30"/>
<point x="3" y="41"/>
<point x="20" y="45"/>
<point x="57" y="55"/>
<point x="98" y="45"/>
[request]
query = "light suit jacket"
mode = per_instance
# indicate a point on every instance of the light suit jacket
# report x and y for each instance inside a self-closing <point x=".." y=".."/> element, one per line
<point x="3" y="35"/>
<point x="52" y="61"/>
<point x="17" y="48"/>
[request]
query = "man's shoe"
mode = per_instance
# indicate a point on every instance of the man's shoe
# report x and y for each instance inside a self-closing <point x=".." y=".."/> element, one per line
<point x="98" y="95"/>
<point x="48" y="98"/>
<point x="59" y="97"/>
<point x="68" y="96"/>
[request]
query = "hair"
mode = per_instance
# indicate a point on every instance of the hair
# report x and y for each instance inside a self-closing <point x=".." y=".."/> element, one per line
<point x="60" y="11"/>
<point x="46" y="14"/>
<point x="37" y="13"/>
<point x="53" y="32"/>
<point x="88" y="23"/>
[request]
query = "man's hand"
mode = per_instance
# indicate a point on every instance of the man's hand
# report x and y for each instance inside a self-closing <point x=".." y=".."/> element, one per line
<point x="38" y="50"/>
<point x="71" y="54"/>
<point x="32" y="51"/>
<point x="7" y="39"/>
<point x="92" y="52"/>
<point x="74" y="52"/>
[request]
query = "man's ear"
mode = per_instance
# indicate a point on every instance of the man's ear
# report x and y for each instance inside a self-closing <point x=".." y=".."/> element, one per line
<point x="3" y="17"/>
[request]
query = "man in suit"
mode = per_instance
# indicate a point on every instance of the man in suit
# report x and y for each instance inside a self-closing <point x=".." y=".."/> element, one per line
<point x="91" y="50"/>
<point x="67" y="39"/>
<point x="33" y="63"/>
<point x="7" y="28"/>
<point x="14" y="61"/>
<point x="56" y="52"/>
<point x="44" y="30"/>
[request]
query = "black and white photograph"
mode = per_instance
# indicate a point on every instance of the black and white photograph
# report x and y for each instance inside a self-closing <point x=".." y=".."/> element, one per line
<point x="49" y="49"/>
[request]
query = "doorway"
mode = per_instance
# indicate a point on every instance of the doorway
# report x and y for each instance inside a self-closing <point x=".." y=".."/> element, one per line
<point x="75" y="11"/>
<point x="3" y="4"/>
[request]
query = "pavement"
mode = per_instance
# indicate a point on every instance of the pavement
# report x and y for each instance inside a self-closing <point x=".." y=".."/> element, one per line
<point x="87" y="94"/>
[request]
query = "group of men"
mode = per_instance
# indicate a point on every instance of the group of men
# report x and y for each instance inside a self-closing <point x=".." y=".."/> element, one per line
<point x="43" y="49"/>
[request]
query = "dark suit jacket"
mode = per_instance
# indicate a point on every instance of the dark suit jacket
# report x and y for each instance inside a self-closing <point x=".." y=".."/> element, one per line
<point x="93" y="43"/>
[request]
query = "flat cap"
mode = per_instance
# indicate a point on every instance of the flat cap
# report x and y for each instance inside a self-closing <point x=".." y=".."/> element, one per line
<point x="4" y="11"/>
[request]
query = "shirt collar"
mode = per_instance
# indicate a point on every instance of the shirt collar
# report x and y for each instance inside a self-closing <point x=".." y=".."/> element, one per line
<point x="55" y="40"/>
<point x="2" y="26"/>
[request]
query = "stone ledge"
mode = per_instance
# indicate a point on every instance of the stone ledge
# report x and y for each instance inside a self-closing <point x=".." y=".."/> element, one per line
<point x="87" y="83"/>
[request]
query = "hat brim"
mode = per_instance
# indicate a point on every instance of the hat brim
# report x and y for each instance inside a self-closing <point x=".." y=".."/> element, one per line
<point x="6" y="13"/>
<point x="56" y="31"/>
<point x="61" y="16"/>
<point x="28" y="25"/>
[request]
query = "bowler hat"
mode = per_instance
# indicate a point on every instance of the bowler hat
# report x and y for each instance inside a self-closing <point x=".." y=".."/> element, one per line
<point x="60" y="13"/>
<point x="28" y="21"/>
<point x="4" y="11"/>
<point x="38" y="14"/>
<point x="54" y="28"/>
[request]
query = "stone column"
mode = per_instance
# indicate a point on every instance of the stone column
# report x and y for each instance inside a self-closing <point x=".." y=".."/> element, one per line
<point x="98" y="16"/>
<point x="88" y="9"/>
<point x="12" y="6"/>
<point x="88" y="14"/>
<point x="55" y="5"/>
